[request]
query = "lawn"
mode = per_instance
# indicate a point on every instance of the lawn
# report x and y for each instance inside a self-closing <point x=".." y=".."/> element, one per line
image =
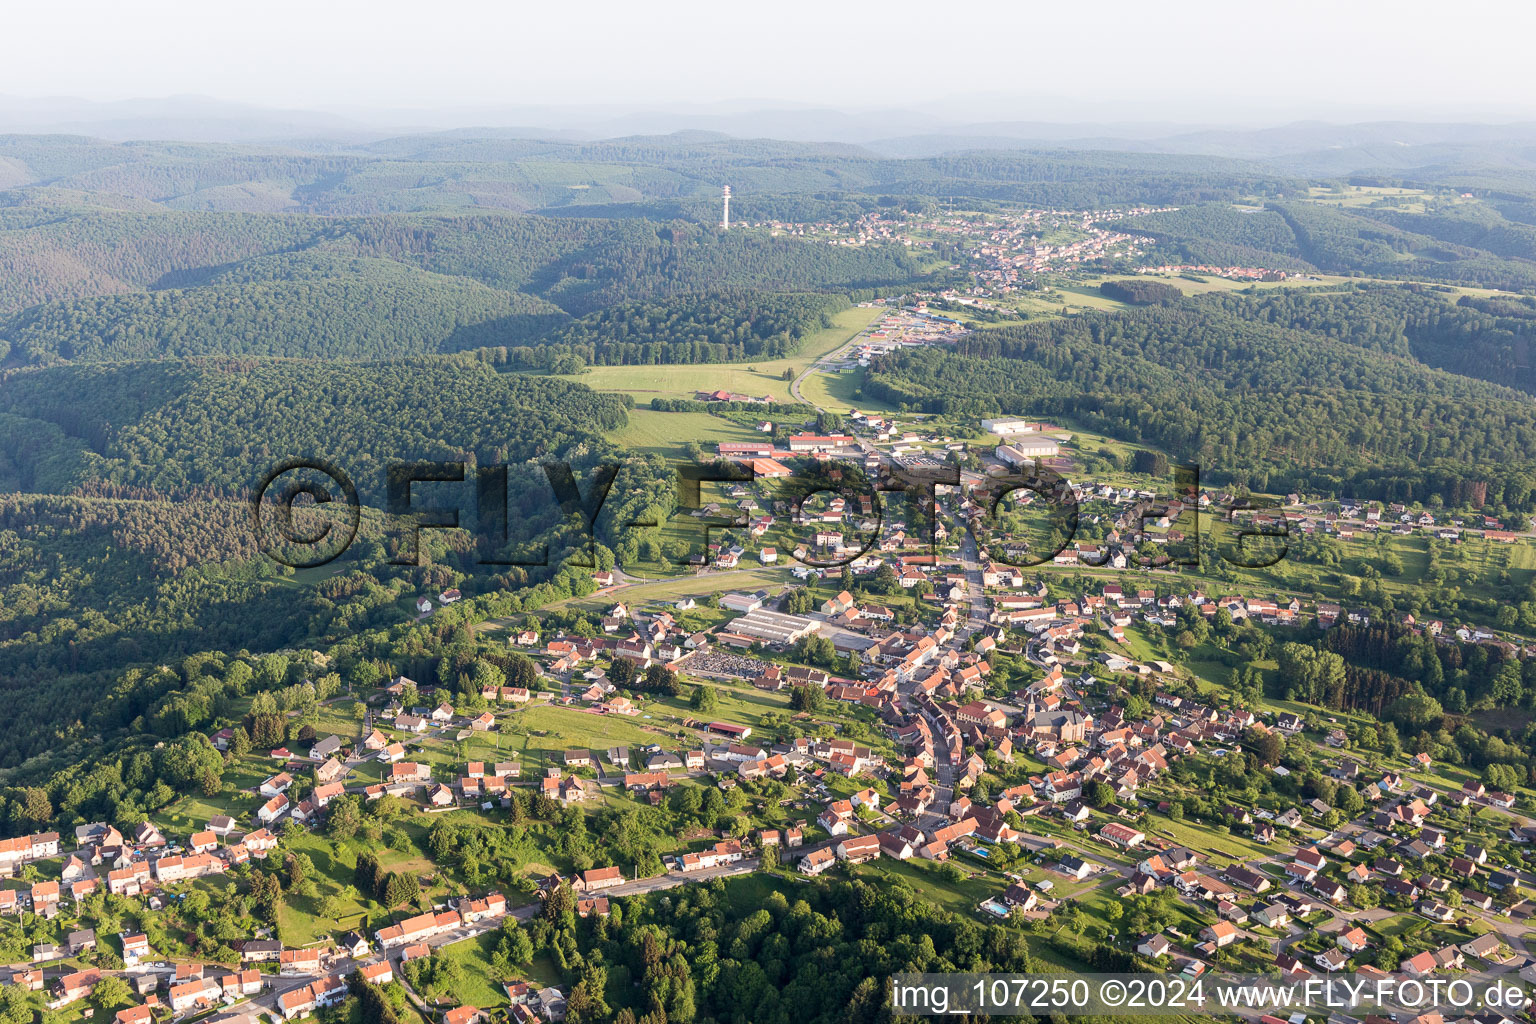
<point x="1188" y="917"/>
<point x="745" y="893"/>
<point x="543" y="731"/>
<point x="743" y="705"/>
<point x="682" y="536"/>
<point x="192" y="811"/>
<point x="1417" y="932"/>
<point x="1204" y="838"/>
<point x="342" y="718"/>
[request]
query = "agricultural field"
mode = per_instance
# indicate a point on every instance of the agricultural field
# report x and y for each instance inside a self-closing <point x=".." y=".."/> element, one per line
<point x="666" y="433"/>
<point x="1409" y="200"/>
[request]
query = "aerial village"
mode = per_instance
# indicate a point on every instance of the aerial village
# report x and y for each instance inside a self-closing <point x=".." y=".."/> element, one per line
<point x="888" y="699"/>
<point x="1004" y="247"/>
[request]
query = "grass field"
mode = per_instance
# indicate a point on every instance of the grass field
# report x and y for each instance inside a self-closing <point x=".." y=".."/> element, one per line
<point x="476" y="987"/>
<point x="546" y="731"/>
<point x="1088" y="296"/>
<point x="742" y="705"/>
<point x="925" y="878"/>
<point x="765" y="377"/>
<point x="343" y="718"/>
<point x="1409" y="200"/>
<point x="687" y="586"/>
<point x="299" y="920"/>
<point x="1207" y="839"/>
<point x="838" y="392"/>
<point x="665" y="433"/>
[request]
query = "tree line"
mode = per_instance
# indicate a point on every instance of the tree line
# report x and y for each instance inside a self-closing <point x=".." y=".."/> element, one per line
<point x="710" y="328"/>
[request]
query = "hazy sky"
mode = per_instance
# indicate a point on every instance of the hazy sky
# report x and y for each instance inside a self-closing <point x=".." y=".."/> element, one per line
<point x="1181" y="61"/>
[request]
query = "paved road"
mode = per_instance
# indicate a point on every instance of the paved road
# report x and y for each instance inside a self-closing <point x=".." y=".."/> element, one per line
<point x="673" y="879"/>
<point x="970" y="562"/>
<point x="794" y="385"/>
<point x="937" y="815"/>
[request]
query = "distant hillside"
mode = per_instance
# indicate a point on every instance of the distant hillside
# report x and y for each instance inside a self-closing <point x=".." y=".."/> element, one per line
<point x="305" y="304"/>
<point x="214" y="426"/>
<point x="1219" y="233"/>
<point x="290" y="284"/>
<point x="1474" y="248"/>
<point x="53" y="254"/>
<point x="1273" y="403"/>
<point x="1492" y="339"/>
<point x="454" y="171"/>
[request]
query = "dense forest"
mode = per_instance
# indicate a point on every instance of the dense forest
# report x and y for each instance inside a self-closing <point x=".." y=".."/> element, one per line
<point x="713" y="328"/>
<point x="51" y="253"/>
<point x="83" y="284"/>
<point x="817" y="954"/>
<point x="1223" y="234"/>
<point x="585" y="265"/>
<point x="213" y="426"/>
<point x="95" y="591"/>
<point x="1255" y="403"/>
<point x="1423" y="690"/>
<point x="304" y="304"/>
<point x="1488" y="338"/>
<point x="1140" y="293"/>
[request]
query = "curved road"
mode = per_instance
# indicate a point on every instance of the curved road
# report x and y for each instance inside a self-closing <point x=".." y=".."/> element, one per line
<point x="794" y="385"/>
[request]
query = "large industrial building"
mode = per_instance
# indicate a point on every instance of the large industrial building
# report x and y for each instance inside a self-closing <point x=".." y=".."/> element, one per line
<point x="1025" y="450"/>
<point x="817" y="443"/>
<point x="1008" y="426"/>
<point x="774" y="627"/>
